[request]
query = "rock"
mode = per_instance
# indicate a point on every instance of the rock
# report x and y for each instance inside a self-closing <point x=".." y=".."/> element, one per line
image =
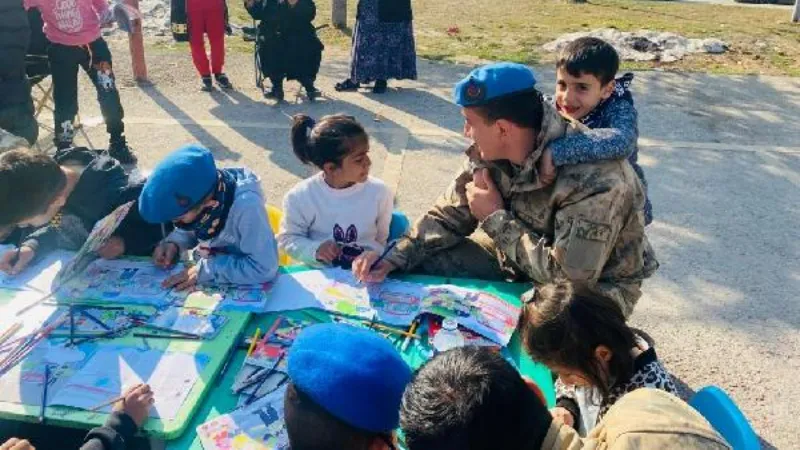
<point x="714" y="46"/>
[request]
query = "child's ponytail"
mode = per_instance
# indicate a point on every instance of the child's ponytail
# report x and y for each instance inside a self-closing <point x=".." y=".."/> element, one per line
<point x="326" y="141"/>
<point x="301" y="131"/>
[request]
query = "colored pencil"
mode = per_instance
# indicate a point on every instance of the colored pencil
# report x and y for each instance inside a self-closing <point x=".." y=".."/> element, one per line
<point x="383" y="255"/>
<point x="395" y="331"/>
<point x="253" y="343"/>
<point x="411" y="330"/>
<point x="264" y="378"/>
<point x="272" y="329"/>
<point x="10" y="331"/>
<point x="44" y="392"/>
<point x="167" y="336"/>
<point x="110" y="402"/>
<point x="168" y="330"/>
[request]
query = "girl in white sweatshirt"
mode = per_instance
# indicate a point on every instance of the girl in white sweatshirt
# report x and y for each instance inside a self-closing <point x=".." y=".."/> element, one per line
<point x="335" y="215"/>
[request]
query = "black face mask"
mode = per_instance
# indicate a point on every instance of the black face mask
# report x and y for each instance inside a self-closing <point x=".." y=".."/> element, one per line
<point x="211" y="219"/>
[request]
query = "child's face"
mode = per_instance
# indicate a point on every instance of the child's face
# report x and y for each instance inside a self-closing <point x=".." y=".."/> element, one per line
<point x="190" y="216"/>
<point x="45" y="217"/>
<point x="570" y="376"/>
<point x="353" y="169"/>
<point x="578" y="96"/>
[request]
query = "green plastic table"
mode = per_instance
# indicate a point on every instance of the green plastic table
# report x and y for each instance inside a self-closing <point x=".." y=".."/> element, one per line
<point x="221" y="400"/>
<point x="215" y="349"/>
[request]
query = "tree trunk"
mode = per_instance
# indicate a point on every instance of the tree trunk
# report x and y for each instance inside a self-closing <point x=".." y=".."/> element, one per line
<point x="339" y="13"/>
<point x="796" y="13"/>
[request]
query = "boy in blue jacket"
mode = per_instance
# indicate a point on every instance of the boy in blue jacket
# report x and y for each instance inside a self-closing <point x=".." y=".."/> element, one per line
<point x="587" y="91"/>
<point x="217" y="212"/>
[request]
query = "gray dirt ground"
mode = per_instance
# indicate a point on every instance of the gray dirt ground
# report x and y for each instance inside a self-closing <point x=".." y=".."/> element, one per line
<point x="722" y="155"/>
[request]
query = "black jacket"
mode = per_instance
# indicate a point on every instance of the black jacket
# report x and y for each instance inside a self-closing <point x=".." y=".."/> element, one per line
<point x="14" y="39"/>
<point x="102" y="187"/>
<point x="116" y="434"/>
<point x="392" y="11"/>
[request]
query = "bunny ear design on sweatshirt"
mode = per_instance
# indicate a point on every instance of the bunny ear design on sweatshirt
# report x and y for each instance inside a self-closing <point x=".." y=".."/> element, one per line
<point x="338" y="233"/>
<point x="352" y="235"/>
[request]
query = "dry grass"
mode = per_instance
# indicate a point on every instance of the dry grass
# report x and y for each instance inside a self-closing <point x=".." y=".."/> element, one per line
<point x="762" y="40"/>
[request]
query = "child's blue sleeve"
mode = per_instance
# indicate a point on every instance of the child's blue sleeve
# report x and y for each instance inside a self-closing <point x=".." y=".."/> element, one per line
<point x="184" y="239"/>
<point x="616" y="141"/>
<point x="258" y="261"/>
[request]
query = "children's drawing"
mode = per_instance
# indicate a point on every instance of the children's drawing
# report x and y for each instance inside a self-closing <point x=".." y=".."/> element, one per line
<point x="39" y="276"/>
<point x="128" y="281"/>
<point x="171" y="374"/>
<point x="23" y="384"/>
<point x="231" y="298"/>
<point x="258" y="426"/>
<point x="396" y="302"/>
<point x="102" y="230"/>
<point x="190" y="320"/>
<point x="94" y="320"/>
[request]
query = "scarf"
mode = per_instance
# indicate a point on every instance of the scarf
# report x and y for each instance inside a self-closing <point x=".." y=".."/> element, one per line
<point x="621" y="91"/>
<point x="211" y="219"/>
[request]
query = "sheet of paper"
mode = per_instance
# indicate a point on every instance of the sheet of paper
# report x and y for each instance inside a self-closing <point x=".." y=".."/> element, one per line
<point x="102" y="230"/>
<point x="335" y="290"/>
<point x="230" y="298"/>
<point x="40" y="276"/>
<point x="258" y="426"/>
<point x="104" y="377"/>
<point x="121" y="280"/>
<point x="12" y="301"/>
<point x="94" y="320"/>
<point x="190" y="320"/>
<point x="24" y="383"/>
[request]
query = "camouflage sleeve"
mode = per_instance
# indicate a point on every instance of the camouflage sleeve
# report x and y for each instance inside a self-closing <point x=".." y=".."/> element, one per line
<point x="446" y="224"/>
<point x="584" y="235"/>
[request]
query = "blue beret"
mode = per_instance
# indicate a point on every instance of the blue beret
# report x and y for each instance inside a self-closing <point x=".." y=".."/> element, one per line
<point x="353" y="373"/>
<point x="492" y="81"/>
<point x="178" y="183"/>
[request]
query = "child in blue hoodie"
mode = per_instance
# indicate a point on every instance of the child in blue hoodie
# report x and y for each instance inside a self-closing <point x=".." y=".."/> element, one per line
<point x="217" y="212"/>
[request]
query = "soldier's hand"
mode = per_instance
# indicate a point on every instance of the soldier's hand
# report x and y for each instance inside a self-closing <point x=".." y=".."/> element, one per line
<point x="482" y="195"/>
<point x="547" y="170"/>
<point x="17" y="444"/>
<point x="362" y="265"/>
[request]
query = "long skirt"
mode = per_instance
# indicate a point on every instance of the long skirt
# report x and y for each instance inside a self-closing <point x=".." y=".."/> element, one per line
<point x="381" y="50"/>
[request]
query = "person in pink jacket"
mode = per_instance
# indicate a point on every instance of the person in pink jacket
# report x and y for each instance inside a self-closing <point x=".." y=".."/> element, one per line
<point x="73" y="29"/>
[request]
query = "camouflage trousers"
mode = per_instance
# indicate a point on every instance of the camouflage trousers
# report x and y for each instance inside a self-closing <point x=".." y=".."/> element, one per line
<point x="475" y="257"/>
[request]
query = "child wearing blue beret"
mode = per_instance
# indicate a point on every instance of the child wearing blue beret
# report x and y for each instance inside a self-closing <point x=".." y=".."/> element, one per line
<point x="218" y="212"/>
<point x="346" y="385"/>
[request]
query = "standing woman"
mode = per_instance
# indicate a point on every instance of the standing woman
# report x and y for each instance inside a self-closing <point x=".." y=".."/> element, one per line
<point x="383" y="45"/>
<point x="288" y="46"/>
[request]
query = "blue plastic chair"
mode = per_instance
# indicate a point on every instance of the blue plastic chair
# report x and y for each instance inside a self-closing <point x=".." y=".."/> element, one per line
<point x="723" y="414"/>
<point x="399" y="225"/>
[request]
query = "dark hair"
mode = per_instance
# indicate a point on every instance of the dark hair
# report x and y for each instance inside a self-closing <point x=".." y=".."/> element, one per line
<point x="29" y="182"/>
<point x="310" y="427"/>
<point x="524" y="109"/>
<point x="561" y="327"/>
<point x="326" y="141"/>
<point x="590" y="55"/>
<point x="471" y="398"/>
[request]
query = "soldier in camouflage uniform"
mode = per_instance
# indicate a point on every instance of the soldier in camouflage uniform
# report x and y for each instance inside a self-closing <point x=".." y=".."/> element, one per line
<point x="498" y="220"/>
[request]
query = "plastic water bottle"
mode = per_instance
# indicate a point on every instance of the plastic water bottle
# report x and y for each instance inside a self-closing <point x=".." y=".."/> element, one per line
<point x="448" y="336"/>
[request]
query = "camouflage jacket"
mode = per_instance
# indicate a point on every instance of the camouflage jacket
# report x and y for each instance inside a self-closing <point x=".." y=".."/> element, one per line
<point x="587" y="226"/>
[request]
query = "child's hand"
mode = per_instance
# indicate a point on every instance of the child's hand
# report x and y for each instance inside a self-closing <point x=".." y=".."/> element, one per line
<point x="112" y="249"/>
<point x="137" y="403"/>
<point x="328" y="251"/>
<point x="547" y="170"/>
<point x="364" y="262"/>
<point x="165" y="255"/>
<point x="184" y="280"/>
<point x="14" y="262"/>
<point x="563" y="415"/>
<point x="17" y="444"/>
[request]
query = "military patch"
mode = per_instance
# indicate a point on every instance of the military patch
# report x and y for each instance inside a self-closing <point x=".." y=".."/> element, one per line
<point x="592" y="231"/>
<point x="474" y="91"/>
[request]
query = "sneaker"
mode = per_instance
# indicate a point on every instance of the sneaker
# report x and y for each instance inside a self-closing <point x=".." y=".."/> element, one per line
<point x="122" y="153"/>
<point x="223" y="81"/>
<point x="274" y="93"/>
<point x="208" y="86"/>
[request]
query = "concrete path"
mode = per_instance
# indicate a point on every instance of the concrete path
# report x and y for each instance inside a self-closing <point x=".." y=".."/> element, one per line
<point x="722" y="155"/>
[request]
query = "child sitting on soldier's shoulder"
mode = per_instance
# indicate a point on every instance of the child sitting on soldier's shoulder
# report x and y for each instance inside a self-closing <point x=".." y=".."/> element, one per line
<point x="587" y="91"/>
<point x="345" y="389"/>
<point x="51" y="203"/>
<point x="220" y="213"/>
